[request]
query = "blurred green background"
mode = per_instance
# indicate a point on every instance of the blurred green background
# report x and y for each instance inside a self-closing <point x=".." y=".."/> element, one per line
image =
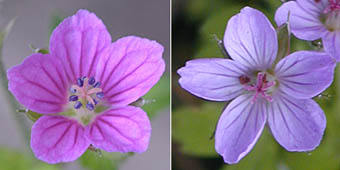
<point x="194" y="25"/>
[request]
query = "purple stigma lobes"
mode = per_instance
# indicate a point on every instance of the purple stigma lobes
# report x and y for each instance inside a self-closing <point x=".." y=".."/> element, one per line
<point x="331" y="18"/>
<point x="262" y="87"/>
<point x="88" y="95"/>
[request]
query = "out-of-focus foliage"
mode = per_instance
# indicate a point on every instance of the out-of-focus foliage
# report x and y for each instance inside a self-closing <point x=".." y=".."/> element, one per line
<point x="158" y="97"/>
<point x="95" y="160"/>
<point x="15" y="160"/>
<point x="193" y="126"/>
<point x="194" y="121"/>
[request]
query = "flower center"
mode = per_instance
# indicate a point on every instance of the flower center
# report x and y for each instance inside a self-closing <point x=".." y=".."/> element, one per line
<point x="331" y="16"/>
<point x="86" y="93"/>
<point x="263" y="86"/>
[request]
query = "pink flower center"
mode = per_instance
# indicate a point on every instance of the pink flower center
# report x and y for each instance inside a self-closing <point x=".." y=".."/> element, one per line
<point x="261" y="87"/>
<point x="334" y="5"/>
<point x="86" y="93"/>
<point x="331" y="17"/>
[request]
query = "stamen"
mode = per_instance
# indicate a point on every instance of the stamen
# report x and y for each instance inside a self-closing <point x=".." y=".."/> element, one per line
<point x="97" y="85"/>
<point x="80" y="82"/>
<point x="95" y="101"/>
<point x="92" y="81"/>
<point x="73" y="98"/>
<point x="90" y="106"/>
<point x="100" y="95"/>
<point x="244" y="79"/>
<point x="77" y="105"/>
<point x="86" y="93"/>
<point x="73" y="90"/>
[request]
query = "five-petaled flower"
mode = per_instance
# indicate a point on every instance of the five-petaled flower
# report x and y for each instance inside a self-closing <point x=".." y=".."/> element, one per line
<point x="84" y="87"/>
<point x="314" y="19"/>
<point x="266" y="91"/>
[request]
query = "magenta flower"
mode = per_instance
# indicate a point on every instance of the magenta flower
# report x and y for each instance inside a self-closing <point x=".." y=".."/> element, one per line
<point x="84" y="88"/>
<point x="265" y="91"/>
<point x="314" y="19"/>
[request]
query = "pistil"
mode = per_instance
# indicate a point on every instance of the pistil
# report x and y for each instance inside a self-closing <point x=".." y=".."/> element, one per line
<point x="332" y="16"/>
<point x="261" y="87"/>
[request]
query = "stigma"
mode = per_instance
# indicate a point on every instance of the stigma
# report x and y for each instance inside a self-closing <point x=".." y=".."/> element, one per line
<point x="331" y="15"/>
<point x="262" y="87"/>
<point x="86" y="93"/>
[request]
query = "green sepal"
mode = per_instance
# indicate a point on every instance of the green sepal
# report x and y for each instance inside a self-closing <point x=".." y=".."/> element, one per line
<point x="283" y="36"/>
<point x="34" y="116"/>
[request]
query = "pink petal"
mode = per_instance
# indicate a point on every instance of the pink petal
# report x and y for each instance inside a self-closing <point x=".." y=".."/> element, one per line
<point x="124" y="129"/>
<point x="297" y="124"/>
<point x="134" y="66"/>
<point x="213" y="79"/>
<point x="56" y="139"/>
<point x="304" y="18"/>
<point x="239" y="127"/>
<point x="39" y="83"/>
<point x="305" y="74"/>
<point x="331" y="43"/>
<point x="79" y="41"/>
<point x="251" y="39"/>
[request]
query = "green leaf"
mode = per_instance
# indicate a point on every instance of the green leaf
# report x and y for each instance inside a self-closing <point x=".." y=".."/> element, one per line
<point x="193" y="127"/>
<point x="160" y="97"/>
<point x="14" y="160"/>
<point x="94" y="160"/>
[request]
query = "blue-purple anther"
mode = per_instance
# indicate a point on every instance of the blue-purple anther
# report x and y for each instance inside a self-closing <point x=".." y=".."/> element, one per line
<point x="89" y="106"/>
<point x="73" y="90"/>
<point x="95" y="101"/>
<point x="78" y="105"/>
<point x="100" y="95"/>
<point x="73" y="98"/>
<point x="91" y="81"/>
<point x="97" y="85"/>
<point x="80" y="82"/>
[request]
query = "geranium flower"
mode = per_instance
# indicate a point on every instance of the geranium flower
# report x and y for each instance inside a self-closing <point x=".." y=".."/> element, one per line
<point x="84" y="87"/>
<point x="265" y="91"/>
<point x="314" y="19"/>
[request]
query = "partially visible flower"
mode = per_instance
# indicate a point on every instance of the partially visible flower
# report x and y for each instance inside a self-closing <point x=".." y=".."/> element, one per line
<point x="266" y="92"/>
<point x="314" y="19"/>
<point x="84" y="88"/>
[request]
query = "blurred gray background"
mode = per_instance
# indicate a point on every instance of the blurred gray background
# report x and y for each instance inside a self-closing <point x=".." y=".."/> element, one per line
<point x="147" y="18"/>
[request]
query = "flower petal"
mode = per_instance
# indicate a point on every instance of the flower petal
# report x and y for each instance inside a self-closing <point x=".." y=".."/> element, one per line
<point x="134" y="66"/>
<point x="56" y="139"/>
<point x="251" y="39"/>
<point x="331" y="43"/>
<point x="239" y="127"/>
<point x="305" y="74"/>
<point x="304" y="18"/>
<point x="124" y="129"/>
<point x="213" y="79"/>
<point x="39" y="83"/>
<point x="79" y="41"/>
<point x="297" y="124"/>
